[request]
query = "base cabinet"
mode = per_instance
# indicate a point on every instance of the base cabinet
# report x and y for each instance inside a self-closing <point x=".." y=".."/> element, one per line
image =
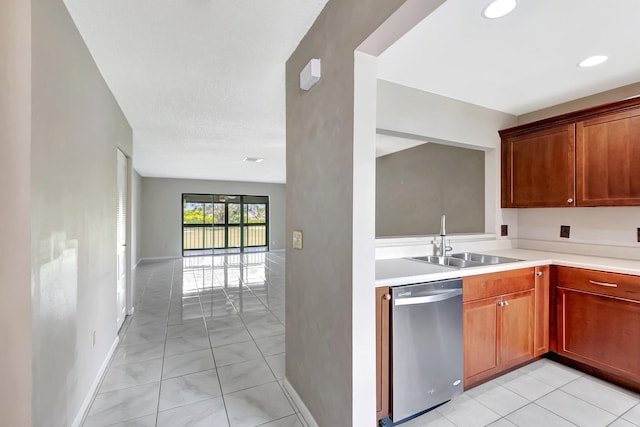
<point x="383" y="367"/>
<point x="542" y="314"/>
<point x="498" y="321"/>
<point x="480" y="320"/>
<point x="599" y="320"/>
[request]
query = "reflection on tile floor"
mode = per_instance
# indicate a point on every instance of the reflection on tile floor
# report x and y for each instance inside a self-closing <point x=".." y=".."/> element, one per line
<point x="205" y="347"/>
<point x="543" y="393"/>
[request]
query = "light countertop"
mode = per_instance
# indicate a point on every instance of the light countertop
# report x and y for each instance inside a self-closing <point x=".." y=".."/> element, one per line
<point x="403" y="271"/>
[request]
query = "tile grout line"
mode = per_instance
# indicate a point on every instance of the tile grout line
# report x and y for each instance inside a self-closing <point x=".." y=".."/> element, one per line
<point x="206" y="328"/>
<point x="164" y="349"/>
<point x="254" y="342"/>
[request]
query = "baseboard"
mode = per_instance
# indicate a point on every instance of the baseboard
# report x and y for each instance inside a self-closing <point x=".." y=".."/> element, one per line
<point x="94" y="387"/>
<point x="297" y="400"/>
<point x="131" y="311"/>
<point x="136" y="264"/>
<point x="157" y="258"/>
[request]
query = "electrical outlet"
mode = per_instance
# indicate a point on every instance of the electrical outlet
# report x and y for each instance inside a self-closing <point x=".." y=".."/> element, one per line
<point x="638" y="234"/>
<point x="504" y="230"/>
<point x="297" y="239"/>
<point x="565" y="230"/>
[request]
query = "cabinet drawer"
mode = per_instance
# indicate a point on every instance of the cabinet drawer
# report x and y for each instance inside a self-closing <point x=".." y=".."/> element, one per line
<point x="600" y="282"/>
<point x="495" y="284"/>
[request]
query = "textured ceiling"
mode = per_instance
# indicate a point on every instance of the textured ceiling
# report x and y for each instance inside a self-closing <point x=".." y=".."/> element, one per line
<point x="524" y="61"/>
<point x="200" y="81"/>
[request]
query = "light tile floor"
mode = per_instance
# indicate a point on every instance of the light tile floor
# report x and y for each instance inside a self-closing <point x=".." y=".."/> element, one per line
<point x="205" y="347"/>
<point x="543" y="393"/>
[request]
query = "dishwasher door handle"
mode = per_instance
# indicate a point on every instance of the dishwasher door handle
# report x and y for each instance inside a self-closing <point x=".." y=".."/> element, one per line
<point x="428" y="298"/>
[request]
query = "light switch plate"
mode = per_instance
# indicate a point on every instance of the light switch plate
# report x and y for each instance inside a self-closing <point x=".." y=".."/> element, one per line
<point x="297" y="239"/>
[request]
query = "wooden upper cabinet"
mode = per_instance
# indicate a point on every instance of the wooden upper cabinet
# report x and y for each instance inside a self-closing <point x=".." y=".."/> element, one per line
<point x="538" y="168"/>
<point x="589" y="157"/>
<point x="608" y="160"/>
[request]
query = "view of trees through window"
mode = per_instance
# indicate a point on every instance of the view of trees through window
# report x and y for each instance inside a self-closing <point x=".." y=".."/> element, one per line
<point x="212" y="222"/>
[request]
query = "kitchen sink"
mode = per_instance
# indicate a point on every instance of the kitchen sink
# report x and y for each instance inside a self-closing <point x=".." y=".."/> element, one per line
<point x="483" y="259"/>
<point x="465" y="260"/>
<point x="448" y="261"/>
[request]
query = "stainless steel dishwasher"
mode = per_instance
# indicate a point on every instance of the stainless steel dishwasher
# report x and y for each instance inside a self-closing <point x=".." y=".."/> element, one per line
<point x="427" y="364"/>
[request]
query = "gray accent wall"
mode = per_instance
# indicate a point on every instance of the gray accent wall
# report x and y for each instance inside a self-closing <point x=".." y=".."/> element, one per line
<point x="162" y="211"/>
<point x="15" y="211"/>
<point x="431" y="117"/>
<point x="324" y="280"/>
<point x="77" y="127"/>
<point x="414" y="187"/>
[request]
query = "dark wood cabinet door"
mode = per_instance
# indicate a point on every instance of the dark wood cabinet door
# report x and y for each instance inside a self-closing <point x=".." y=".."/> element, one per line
<point x="480" y="340"/>
<point x="601" y="331"/>
<point x="608" y="160"/>
<point x="541" y="326"/>
<point x="515" y="339"/>
<point x="383" y="368"/>
<point x="538" y="168"/>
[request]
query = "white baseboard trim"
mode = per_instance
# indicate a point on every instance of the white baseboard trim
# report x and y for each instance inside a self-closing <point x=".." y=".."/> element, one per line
<point x="131" y="311"/>
<point x="94" y="387"/>
<point x="297" y="400"/>
<point x="136" y="264"/>
<point x="158" y="258"/>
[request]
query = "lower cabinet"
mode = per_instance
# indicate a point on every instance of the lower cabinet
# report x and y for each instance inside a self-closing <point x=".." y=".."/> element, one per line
<point x="543" y="310"/>
<point x="599" y="320"/>
<point x="499" y="323"/>
<point x="383" y="367"/>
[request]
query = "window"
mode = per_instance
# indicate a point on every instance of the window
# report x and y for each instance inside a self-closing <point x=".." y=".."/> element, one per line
<point x="224" y="223"/>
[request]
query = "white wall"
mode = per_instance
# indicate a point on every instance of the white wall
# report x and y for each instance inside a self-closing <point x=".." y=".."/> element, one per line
<point x="411" y="111"/>
<point x="162" y="211"/>
<point x="15" y="211"/>
<point x="77" y="127"/>
<point x="603" y="231"/>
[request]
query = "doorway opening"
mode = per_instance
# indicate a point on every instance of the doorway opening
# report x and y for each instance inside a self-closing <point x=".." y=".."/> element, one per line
<point x="121" y="239"/>
<point x="223" y="223"/>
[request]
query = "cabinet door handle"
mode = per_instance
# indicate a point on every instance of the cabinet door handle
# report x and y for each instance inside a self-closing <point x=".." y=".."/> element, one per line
<point x="505" y="303"/>
<point x="539" y="273"/>
<point x="609" y="285"/>
<point x="386" y="297"/>
<point x="569" y="200"/>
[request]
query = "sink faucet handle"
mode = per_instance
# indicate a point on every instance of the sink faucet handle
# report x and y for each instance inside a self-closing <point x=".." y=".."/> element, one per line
<point x="447" y="248"/>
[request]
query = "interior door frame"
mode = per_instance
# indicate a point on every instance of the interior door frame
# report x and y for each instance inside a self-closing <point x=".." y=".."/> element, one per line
<point x="129" y="306"/>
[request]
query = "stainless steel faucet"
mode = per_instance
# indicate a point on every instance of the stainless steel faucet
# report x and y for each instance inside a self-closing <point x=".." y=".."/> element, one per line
<point x="442" y="249"/>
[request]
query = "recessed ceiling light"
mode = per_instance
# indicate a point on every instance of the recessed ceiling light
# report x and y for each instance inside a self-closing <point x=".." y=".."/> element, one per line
<point x="592" y="61"/>
<point x="253" y="159"/>
<point x="499" y="8"/>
